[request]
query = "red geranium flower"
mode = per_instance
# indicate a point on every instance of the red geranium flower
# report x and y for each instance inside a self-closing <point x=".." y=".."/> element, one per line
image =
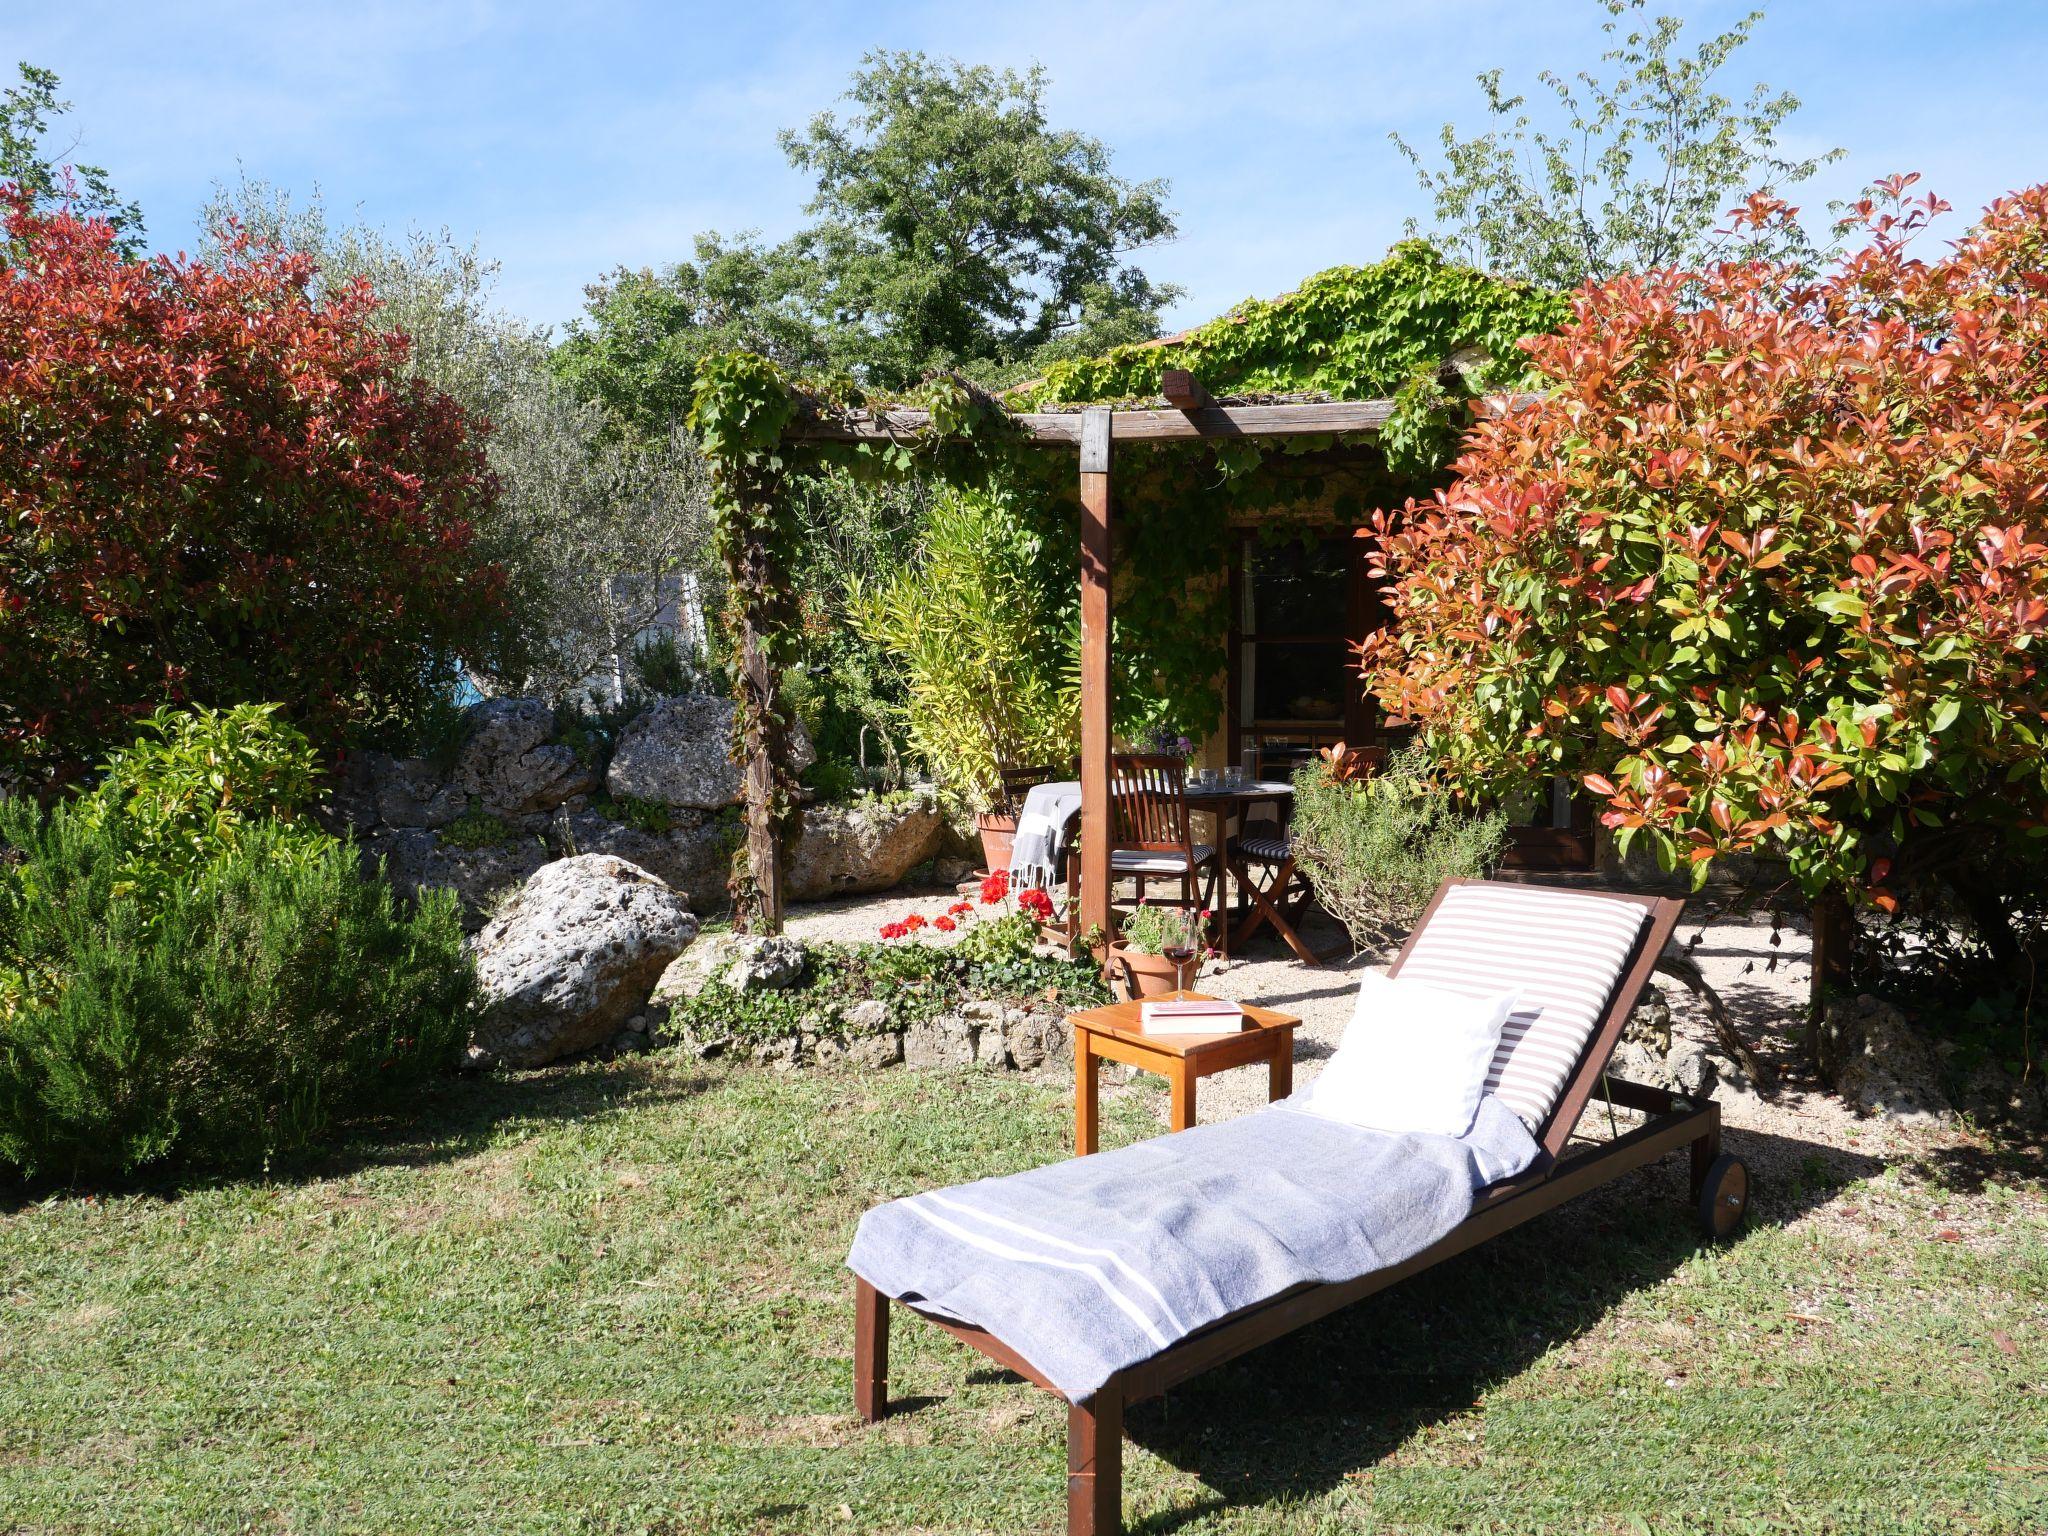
<point x="944" y="924"/>
<point x="913" y="922"/>
<point x="1037" y="903"/>
<point x="961" y="909"/>
<point x="892" y="930"/>
<point x="995" y="887"/>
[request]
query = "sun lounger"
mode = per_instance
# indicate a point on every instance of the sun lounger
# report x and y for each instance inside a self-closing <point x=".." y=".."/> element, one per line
<point x="1110" y="1279"/>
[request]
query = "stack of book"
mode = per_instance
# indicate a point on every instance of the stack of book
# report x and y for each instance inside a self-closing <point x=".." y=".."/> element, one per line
<point x="1190" y="1016"/>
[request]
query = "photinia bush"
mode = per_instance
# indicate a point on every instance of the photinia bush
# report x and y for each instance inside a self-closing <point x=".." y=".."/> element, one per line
<point x="215" y="487"/>
<point x="1764" y="563"/>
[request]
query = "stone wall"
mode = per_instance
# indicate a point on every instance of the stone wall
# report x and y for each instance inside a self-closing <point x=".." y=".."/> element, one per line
<point x="516" y="798"/>
<point x="864" y="1033"/>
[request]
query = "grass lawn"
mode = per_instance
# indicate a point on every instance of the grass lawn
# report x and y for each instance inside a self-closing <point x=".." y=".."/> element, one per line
<point x="610" y="1299"/>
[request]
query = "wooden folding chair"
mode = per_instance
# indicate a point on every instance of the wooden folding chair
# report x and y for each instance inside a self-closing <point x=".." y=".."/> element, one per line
<point x="1720" y="1185"/>
<point x="1152" y="831"/>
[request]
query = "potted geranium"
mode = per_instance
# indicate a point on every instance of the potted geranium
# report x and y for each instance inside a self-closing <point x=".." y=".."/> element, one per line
<point x="1158" y="949"/>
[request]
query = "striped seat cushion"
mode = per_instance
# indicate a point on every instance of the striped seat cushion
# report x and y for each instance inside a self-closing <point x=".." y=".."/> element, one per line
<point x="1262" y="850"/>
<point x="1135" y="861"/>
<point x="1563" y="950"/>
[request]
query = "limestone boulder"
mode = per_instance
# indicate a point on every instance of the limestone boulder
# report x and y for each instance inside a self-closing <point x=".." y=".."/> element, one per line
<point x="870" y="845"/>
<point x="573" y="956"/>
<point x="694" y="855"/>
<point x="509" y="763"/>
<point x="679" y="753"/>
<point x="743" y="962"/>
<point x="1880" y="1064"/>
<point x="416" y="859"/>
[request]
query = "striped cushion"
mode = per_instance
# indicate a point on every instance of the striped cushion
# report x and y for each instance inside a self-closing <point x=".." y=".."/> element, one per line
<point x="1135" y="861"/>
<point x="1564" y="950"/>
<point x="1264" y="850"/>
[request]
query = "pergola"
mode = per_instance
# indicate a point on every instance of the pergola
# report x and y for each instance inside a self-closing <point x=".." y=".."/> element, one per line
<point x="1092" y="433"/>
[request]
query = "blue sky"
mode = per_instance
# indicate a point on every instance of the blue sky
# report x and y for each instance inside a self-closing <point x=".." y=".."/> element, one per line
<point x="571" y="138"/>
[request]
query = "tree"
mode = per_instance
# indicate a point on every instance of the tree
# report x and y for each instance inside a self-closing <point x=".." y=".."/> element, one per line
<point x="1633" y="177"/>
<point x="594" y="530"/>
<point x="636" y="350"/>
<point x="956" y="227"/>
<point x="27" y="160"/>
<point x="1765" y="564"/>
<point x="218" y="487"/>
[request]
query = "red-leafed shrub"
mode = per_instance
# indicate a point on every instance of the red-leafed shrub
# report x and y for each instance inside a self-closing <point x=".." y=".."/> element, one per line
<point x="214" y="488"/>
<point x="1765" y="563"/>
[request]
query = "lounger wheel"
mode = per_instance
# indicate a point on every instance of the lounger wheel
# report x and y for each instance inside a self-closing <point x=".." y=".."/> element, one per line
<point x="1724" y="1197"/>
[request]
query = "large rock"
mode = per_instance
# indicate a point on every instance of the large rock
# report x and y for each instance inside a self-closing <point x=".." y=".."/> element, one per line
<point x="508" y="762"/>
<point x="680" y="753"/>
<point x="408" y="792"/>
<point x="694" y="855"/>
<point x="416" y="859"/>
<point x="1879" y="1063"/>
<point x="840" y="850"/>
<point x="573" y="956"/>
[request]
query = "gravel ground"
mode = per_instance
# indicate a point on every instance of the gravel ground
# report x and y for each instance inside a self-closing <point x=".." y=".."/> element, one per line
<point x="1763" y="977"/>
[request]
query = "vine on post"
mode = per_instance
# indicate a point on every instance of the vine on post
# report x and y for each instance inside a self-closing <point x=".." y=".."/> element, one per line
<point x="742" y="405"/>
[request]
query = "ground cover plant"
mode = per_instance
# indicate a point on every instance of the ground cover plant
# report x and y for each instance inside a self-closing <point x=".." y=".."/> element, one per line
<point x="996" y="956"/>
<point x="535" y="1304"/>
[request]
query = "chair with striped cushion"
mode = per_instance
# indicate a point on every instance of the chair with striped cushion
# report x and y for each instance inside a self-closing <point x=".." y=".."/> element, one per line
<point x="1152" y="832"/>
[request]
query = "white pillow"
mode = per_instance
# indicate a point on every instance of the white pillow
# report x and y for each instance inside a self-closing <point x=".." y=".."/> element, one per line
<point x="1413" y="1058"/>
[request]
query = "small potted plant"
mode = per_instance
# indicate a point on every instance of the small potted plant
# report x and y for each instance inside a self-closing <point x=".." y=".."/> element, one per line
<point x="1158" y="949"/>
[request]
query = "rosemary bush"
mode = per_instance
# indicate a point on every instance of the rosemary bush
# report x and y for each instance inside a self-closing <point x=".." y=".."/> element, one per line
<point x="1376" y="849"/>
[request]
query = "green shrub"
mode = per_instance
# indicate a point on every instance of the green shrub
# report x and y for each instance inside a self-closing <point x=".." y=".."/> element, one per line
<point x="988" y="660"/>
<point x="182" y="982"/>
<point x="1376" y="849"/>
<point x="191" y="785"/>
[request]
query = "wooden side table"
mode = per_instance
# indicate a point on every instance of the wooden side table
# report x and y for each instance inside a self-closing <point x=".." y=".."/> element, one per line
<point x="1114" y="1033"/>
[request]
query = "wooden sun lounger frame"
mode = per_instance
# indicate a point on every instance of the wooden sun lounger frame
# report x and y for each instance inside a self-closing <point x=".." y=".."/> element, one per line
<point x="1095" y="1425"/>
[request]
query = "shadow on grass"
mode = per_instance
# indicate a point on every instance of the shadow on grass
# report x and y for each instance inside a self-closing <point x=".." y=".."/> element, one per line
<point x="440" y="1121"/>
<point x="1295" y="1419"/>
<point x="457" y="1117"/>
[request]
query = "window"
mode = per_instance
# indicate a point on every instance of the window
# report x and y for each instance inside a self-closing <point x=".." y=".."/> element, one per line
<point x="1295" y="687"/>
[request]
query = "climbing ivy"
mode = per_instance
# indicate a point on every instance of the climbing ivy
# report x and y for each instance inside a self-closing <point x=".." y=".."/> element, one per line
<point x="1352" y="333"/>
<point x="1386" y="330"/>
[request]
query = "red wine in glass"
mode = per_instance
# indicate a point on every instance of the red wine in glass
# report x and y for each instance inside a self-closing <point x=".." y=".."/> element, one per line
<point x="1180" y="955"/>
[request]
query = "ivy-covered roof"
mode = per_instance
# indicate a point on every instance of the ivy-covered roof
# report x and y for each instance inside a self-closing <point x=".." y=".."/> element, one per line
<point x="1347" y="333"/>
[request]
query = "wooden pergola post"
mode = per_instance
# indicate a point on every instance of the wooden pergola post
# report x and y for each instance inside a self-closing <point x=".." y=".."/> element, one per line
<point x="765" y="747"/>
<point x="1096" y="512"/>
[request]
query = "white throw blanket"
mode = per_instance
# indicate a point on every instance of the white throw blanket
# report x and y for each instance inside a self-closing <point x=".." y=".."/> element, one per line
<point x="1092" y="1264"/>
<point x="1040" y="851"/>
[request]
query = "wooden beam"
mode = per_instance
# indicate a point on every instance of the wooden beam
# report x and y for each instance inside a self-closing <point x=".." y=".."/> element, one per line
<point x="1098" y="430"/>
<point x="1183" y="390"/>
<point x="1291" y="419"/>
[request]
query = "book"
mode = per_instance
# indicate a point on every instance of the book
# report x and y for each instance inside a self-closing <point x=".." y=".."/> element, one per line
<point x="1190" y="1016"/>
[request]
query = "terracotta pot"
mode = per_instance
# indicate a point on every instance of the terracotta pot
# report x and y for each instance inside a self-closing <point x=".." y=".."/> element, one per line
<point x="998" y="837"/>
<point x="1139" y="976"/>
